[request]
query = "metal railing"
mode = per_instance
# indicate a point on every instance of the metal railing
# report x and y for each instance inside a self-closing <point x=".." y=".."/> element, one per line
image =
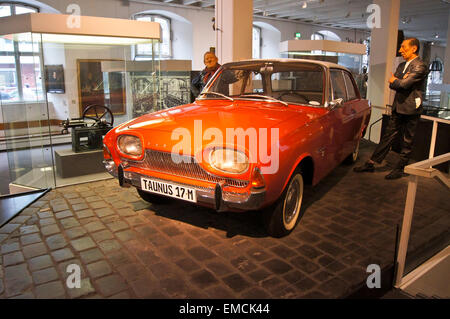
<point x="423" y="169"/>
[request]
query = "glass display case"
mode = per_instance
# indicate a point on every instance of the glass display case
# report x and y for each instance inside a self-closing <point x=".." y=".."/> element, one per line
<point x="53" y="85"/>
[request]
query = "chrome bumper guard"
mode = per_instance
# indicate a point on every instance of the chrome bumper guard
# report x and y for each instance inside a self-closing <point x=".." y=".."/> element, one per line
<point x="215" y="198"/>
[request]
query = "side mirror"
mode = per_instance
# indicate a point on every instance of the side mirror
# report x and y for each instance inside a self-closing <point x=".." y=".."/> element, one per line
<point x="336" y="103"/>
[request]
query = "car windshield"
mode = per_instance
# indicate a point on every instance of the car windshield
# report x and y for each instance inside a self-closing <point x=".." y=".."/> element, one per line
<point x="284" y="82"/>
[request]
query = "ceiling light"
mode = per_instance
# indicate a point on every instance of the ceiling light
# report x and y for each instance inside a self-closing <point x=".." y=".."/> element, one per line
<point x="406" y="20"/>
<point x="436" y="35"/>
<point x="304" y="5"/>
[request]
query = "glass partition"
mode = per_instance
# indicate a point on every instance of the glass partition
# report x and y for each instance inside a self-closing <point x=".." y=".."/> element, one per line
<point x="60" y="94"/>
<point x="353" y="62"/>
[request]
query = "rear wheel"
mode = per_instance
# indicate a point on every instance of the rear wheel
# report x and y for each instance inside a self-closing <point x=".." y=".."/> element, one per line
<point x="152" y="198"/>
<point x="282" y="217"/>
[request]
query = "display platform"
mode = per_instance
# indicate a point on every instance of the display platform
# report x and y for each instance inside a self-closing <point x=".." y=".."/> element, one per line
<point x="71" y="164"/>
<point x="11" y="205"/>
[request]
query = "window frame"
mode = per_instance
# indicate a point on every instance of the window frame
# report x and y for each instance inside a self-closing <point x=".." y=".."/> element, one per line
<point x="17" y="54"/>
<point x="352" y="80"/>
<point x="260" y="41"/>
<point x="332" y="84"/>
<point x="160" y="56"/>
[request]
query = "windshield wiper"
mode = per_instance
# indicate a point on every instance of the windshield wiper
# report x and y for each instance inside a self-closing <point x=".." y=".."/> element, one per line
<point x="218" y="94"/>
<point x="264" y="97"/>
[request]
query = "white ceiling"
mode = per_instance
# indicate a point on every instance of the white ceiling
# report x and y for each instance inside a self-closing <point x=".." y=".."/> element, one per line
<point x="420" y="18"/>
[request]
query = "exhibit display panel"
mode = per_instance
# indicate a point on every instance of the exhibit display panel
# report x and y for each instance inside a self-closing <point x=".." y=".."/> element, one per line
<point x="346" y="54"/>
<point x="58" y="101"/>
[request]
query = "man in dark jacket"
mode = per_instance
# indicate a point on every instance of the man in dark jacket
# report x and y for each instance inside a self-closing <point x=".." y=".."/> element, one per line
<point x="406" y="109"/>
<point x="199" y="82"/>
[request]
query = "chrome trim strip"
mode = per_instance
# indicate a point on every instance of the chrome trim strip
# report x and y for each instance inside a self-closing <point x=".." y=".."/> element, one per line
<point x="206" y="196"/>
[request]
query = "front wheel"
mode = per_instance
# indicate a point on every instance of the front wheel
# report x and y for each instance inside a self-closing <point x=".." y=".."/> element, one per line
<point x="152" y="198"/>
<point x="282" y="217"/>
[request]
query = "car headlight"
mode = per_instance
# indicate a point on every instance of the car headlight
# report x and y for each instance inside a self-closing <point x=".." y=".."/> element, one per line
<point x="130" y="145"/>
<point x="229" y="161"/>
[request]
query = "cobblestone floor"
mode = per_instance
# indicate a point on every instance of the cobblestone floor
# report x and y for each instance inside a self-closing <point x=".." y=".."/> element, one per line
<point x="130" y="249"/>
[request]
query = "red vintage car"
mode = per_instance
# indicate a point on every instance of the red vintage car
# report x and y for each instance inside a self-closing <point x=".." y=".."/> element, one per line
<point x="258" y="132"/>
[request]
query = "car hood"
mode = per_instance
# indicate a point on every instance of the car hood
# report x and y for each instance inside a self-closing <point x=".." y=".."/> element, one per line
<point x="221" y="115"/>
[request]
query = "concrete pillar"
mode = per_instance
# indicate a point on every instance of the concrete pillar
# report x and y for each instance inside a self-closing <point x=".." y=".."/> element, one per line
<point x="234" y="23"/>
<point x="383" y="49"/>
<point x="445" y="94"/>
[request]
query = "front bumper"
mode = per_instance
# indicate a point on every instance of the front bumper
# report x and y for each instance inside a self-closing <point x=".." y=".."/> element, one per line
<point x="214" y="197"/>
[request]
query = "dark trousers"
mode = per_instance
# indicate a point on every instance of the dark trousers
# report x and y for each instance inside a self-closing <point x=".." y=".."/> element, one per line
<point x="400" y="125"/>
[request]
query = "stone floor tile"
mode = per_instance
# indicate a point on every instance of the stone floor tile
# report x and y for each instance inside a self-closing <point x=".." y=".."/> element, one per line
<point x="85" y="213"/>
<point x="62" y="254"/>
<point x="203" y="279"/>
<point x="102" y="235"/>
<point x="111" y="285"/>
<point x="236" y="282"/>
<point x="8" y="248"/>
<point x="91" y="255"/>
<point x="201" y="253"/>
<point x="40" y="262"/>
<point x="99" y="269"/>
<point x="69" y="222"/>
<point x="51" y="290"/>
<point x="34" y="250"/>
<point x="94" y="226"/>
<point x="30" y="239"/>
<point x="56" y="242"/>
<point x="64" y="214"/>
<point x="76" y="232"/>
<point x="117" y="226"/>
<point x="17" y="280"/>
<point x="8" y="228"/>
<point x="13" y="258"/>
<point x="47" y="221"/>
<point x="83" y="243"/>
<point x="45" y="275"/>
<point x="85" y="289"/>
<point x="25" y="230"/>
<point x="109" y="245"/>
<point x="50" y="230"/>
<point x="277" y="266"/>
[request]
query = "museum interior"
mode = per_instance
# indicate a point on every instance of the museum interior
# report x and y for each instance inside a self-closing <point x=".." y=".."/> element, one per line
<point x="72" y="71"/>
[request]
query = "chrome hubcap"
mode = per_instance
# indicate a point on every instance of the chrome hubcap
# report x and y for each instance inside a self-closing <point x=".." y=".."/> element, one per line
<point x="293" y="202"/>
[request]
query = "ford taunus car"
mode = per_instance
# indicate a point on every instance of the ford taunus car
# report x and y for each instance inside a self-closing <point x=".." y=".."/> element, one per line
<point x="258" y="132"/>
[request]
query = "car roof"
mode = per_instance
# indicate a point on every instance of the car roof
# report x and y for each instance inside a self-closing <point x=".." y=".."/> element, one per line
<point x="322" y="63"/>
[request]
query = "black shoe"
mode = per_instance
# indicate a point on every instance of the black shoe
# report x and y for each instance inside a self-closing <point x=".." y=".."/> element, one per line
<point x="367" y="167"/>
<point x="395" y="174"/>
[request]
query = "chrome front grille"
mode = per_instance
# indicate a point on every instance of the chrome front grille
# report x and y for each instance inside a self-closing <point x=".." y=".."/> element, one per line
<point x="185" y="166"/>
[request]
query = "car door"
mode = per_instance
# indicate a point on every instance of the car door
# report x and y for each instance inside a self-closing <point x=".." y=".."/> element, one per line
<point x="355" y="105"/>
<point x="340" y="118"/>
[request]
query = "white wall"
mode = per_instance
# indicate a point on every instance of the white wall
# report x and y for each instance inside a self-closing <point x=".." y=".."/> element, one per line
<point x="202" y="36"/>
<point x="192" y="35"/>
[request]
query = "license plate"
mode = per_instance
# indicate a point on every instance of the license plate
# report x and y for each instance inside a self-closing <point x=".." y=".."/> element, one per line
<point x="169" y="189"/>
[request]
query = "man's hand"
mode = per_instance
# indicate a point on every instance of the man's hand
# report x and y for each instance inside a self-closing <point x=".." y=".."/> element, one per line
<point x="393" y="78"/>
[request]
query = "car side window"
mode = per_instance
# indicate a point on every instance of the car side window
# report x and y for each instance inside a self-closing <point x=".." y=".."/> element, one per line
<point x="351" y="92"/>
<point x="337" y="81"/>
